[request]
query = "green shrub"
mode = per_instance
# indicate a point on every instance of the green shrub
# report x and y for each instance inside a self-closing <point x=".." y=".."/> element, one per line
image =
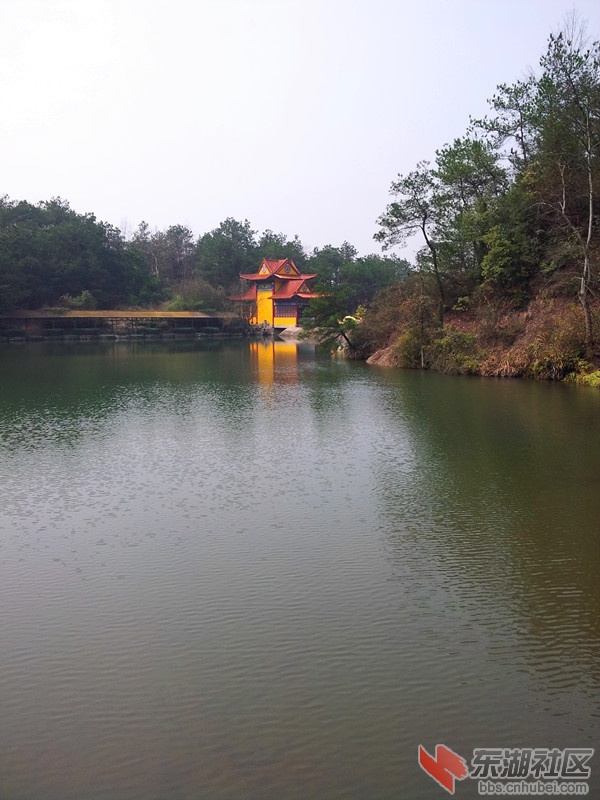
<point x="197" y="295"/>
<point x="591" y="379"/>
<point x="84" y="301"/>
<point x="408" y="349"/>
<point x="178" y="304"/>
<point x="456" y="353"/>
<point x="586" y="374"/>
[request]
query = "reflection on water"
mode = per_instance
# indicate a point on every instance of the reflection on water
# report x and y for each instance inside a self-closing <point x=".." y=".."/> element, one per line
<point x="243" y="571"/>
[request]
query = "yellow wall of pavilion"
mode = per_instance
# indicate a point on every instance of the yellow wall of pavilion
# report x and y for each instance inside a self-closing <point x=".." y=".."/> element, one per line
<point x="284" y="322"/>
<point x="264" y="306"/>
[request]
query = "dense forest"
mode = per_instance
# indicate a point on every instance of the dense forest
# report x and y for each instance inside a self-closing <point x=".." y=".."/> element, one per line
<point x="51" y="256"/>
<point x="507" y="280"/>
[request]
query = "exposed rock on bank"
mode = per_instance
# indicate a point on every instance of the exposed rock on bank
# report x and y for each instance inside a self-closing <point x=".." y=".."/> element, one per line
<point x="383" y="358"/>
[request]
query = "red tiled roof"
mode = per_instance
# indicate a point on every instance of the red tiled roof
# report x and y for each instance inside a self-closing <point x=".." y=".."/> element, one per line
<point x="272" y="266"/>
<point x="256" y="277"/>
<point x="288" y="284"/>
<point x="292" y="289"/>
<point x="288" y="289"/>
<point x="250" y="294"/>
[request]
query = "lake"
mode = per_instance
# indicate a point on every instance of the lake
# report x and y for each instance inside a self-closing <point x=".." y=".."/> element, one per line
<point x="244" y="570"/>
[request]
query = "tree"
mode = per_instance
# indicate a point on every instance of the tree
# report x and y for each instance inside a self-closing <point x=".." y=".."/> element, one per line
<point x="348" y="286"/>
<point x="470" y="179"/>
<point x="48" y="251"/>
<point x="226" y="252"/>
<point x="180" y="253"/>
<point x="510" y="128"/>
<point x="278" y="245"/>
<point x="419" y="208"/>
<point x="567" y="117"/>
<point x="152" y="248"/>
<point x="549" y="127"/>
<point x="326" y="317"/>
<point x="329" y="263"/>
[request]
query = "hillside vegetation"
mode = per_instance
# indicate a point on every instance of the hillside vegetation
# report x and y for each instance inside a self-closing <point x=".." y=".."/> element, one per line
<point x="507" y="279"/>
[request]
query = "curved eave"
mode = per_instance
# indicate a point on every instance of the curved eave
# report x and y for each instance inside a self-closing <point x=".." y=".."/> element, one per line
<point x="255" y="277"/>
<point x="248" y="296"/>
<point x="294" y="277"/>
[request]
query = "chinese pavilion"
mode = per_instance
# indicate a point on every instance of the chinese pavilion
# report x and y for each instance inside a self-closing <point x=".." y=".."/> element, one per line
<point x="278" y="293"/>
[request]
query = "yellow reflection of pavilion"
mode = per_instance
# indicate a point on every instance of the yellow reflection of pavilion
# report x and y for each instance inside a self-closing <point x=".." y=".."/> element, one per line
<point x="276" y="361"/>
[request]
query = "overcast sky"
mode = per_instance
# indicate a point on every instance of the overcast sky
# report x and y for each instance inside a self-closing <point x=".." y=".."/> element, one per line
<point x="293" y="114"/>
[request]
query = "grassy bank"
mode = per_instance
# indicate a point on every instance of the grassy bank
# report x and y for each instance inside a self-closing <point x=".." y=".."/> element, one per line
<point x="545" y="341"/>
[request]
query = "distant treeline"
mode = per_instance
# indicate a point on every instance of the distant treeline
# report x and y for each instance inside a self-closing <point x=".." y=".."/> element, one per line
<point x="51" y="255"/>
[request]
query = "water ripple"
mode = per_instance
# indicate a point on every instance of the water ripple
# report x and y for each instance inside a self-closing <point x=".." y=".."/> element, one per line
<point x="213" y="587"/>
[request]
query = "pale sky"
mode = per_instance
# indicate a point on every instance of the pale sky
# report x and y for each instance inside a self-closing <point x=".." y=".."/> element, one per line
<point x="293" y="114"/>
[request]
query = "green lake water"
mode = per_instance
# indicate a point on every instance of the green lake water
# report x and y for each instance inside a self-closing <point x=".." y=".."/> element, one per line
<point x="246" y="571"/>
